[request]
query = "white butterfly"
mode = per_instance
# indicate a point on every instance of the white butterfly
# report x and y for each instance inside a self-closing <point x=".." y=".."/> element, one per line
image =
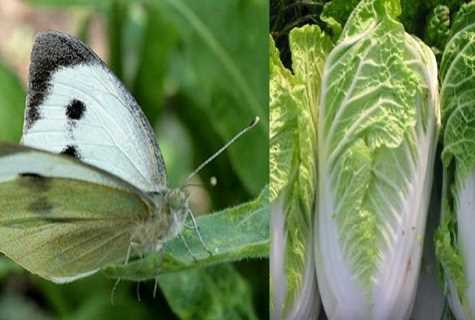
<point x="67" y="216"/>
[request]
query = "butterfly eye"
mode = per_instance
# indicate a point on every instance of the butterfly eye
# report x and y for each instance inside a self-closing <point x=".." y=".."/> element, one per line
<point x="176" y="200"/>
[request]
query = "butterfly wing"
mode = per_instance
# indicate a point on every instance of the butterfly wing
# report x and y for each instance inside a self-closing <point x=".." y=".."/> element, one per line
<point x="58" y="226"/>
<point x="76" y="106"/>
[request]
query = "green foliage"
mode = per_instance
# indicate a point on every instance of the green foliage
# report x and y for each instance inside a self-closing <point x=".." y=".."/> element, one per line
<point x="232" y="234"/>
<point x="438" y="27"/>
<point x="12" y="100"/>
<point x="199" y="71"/>
<point x="216" y="293"/>
<point x="336" y="12"/>
<point x="235" y="65"/>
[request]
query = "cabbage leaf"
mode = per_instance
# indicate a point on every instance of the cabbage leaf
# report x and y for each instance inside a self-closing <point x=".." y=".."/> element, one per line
<point x="294" y="97"/>
<point x="378" y="126"/>
<point x="455" y="239"/>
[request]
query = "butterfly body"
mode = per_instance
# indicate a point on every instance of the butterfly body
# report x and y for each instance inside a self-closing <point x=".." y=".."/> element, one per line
<point x="165" y="223"/>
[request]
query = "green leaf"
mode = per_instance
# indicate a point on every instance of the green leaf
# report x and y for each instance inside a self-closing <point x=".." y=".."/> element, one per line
<point x="217" y="292"/>
<point x="448" y="252"/>
<point x="93" y="298"/>
<point x="232" y="234"/>
<point x="159" y="41"/>
<point x="336" y="12"/>
<point x="117" y="16"/>
<point x="235" y="88"/>
<point x="283" y="122"/>
<point x="294" y="100"/>
<point x="12" y="104"/>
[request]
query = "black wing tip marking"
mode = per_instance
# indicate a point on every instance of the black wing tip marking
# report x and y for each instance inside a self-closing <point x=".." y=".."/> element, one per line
<point x="51" y="51"/>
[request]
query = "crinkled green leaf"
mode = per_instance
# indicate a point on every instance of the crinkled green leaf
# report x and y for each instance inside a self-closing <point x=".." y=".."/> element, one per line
<point x="232" y="234"/>
<point x="448" y="252"/>
<point x="294" y="99"/>
<point x="377" y="131"/>
<point x="454" y="240"/>
<point x="213" y="293"/>
<point x="12" y="104"/>
<point x="283" y="116"/>
<point x="336" y="12"/>
<point x="368" y="13"/>
<point x="438" y="28"/>
<point x="465" y="17"/>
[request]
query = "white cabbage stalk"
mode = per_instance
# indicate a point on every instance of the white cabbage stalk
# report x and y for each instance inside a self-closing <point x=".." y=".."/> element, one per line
<point x="455" y="241"/>
<point x="378" y="125"/>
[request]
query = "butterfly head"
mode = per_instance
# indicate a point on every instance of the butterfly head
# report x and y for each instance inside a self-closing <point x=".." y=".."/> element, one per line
<point x="177" y="204"/>
<point x="170" y="210"/>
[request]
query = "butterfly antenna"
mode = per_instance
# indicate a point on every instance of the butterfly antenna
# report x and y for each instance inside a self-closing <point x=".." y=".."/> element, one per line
<point x="198" y="233"/>
<point x="217" y="153"/>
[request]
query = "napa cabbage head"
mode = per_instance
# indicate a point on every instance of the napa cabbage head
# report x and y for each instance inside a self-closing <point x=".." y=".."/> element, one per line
<point x="377" y="132"/>
<point x="455" y="240"/>
<point x="294" y="95"/>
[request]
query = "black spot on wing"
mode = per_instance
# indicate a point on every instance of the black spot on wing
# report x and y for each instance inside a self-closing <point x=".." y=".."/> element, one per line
<point x="40" y="206"/>
<point x="51" y="51"/>
<point x="33" y="181"/>
<point x="71" y="151"/>
<point x="75" y="109"/>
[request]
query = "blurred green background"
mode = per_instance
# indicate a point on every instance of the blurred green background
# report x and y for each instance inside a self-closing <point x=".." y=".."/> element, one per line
<point x="199" y="70"/>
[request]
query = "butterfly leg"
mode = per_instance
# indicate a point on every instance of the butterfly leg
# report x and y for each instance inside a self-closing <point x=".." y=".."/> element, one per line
<point x="187" y="247"/>
<point x="114" y="289"/>
<point x="137" y="292"/>
<point x="189" y="227"/>
<point x="155" y="288"/>
<point x="197" y="229"/>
